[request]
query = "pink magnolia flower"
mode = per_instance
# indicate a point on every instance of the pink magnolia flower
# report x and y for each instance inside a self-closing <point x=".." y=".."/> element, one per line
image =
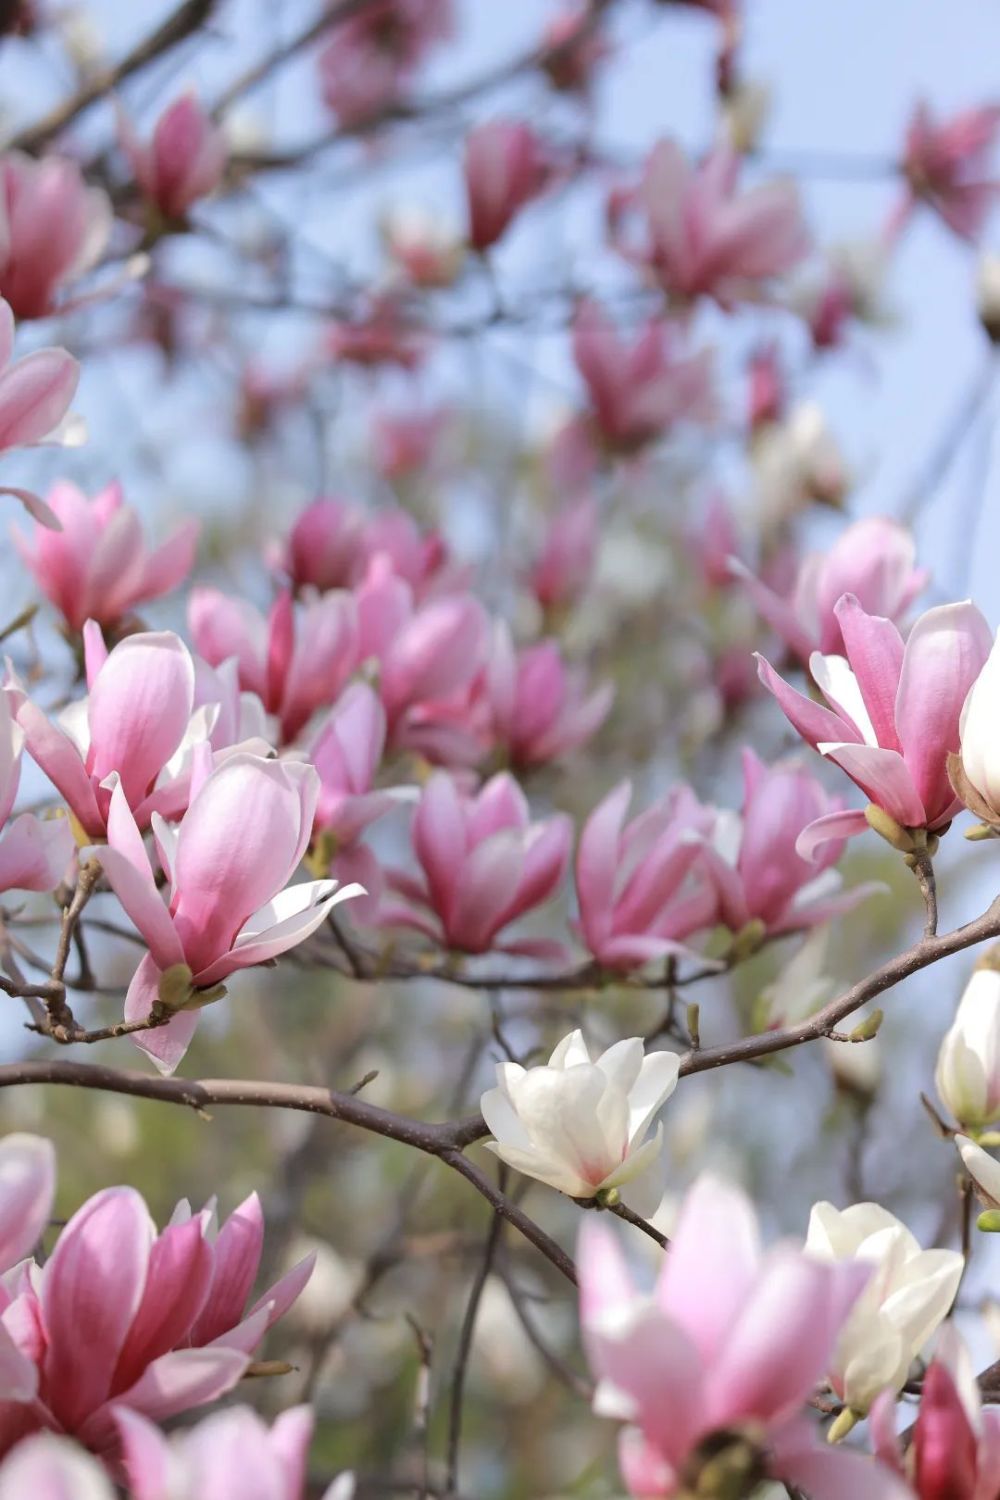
<point x="947" y="166"/>
<point x="423" y="250"/>
<point x="326" y="546"/>
<point x="35" y="393"/>
<point x="372" y="56"/>
<point x="34" y="852"/>
<point x="640" y="888"/>
<point x="48" y="1467"/>
<point x="874" y="559"/>
<point x="420" y="557"/>
<point x="568" y="554"/>
<point x="894" y="713"/>
<point x="380" y="332"/>
<point x="406" y="443"/>
<point x="53" y="228"/>
<point x="296" y="659"/>
<point x="427" y="655"/>
<point x="752" y="858"/>
<point x="540" y="708"/>
<point x="639" y="390"/>
<point x="484" y="864"/>
<point x="706" y="239"/>
<point x="184" y="161"/>
<point x="227" y="864"/>
<point x="506" y="166"/>
<point x="955" y="1452"/>
<point x="231" y="1455"/>
<point x="121" y="1316"/>
<point x="137" y="716"/>
<point x="97" y="566"/>
<point x="725" y="1352"/>
<point x="766" y="399"/>
<point x="346" y="751"/>
<point x="715" y="541"/>
<point x="27" y="1190"/>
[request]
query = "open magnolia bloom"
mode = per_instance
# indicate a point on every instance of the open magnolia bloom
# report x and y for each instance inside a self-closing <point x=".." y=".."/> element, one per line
<point x="908" y="1296"/>
<point x="231" y="1455"/>
<point x="121" y="1314"/>
<point x="713" y="1367"/>
<point x="582" y="1125"/>
<point x="227" y="864"/>
<point x="893" y="718"/>
<point x="35" y="393"/>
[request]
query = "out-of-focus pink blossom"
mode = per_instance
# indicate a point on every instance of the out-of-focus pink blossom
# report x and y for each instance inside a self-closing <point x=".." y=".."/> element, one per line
<point x="405" y="443"/>
<point x="506" y="166"/>
<point x="97" y="566"/>
<point x="574" y="48"/>
<point x="264" y="394"/>
<point x="724" y="1354"/>
<point x="53" y="228"/>
<point x="640" y="888"/>
<point x="35" y="393"/>
<point x="326" y="546"/>
<point x="184" y="161"/>
<point x="346" y="752"/>
<point x="227" y="864"/>
<point x="639" y="390"/>
<point x="123" y="1316"/>
<point x="427" y="655"/>
<point x="704" y="237"/>
<point x="48" y="1467"/>
<point x="137" y="716"/>
<point x="955" y="1452"/>
<point x="948" y="166"/>
<point x="231" y="1455"/>
<point x="333" y="543"/>
<point x="766" y="398"/>
<point x="874" y="559"/>
<point x="27" y="1190"/>
<point x="894" y="713"/>
<point x="34" y="852"/>
<point x="297" y="659"/>
<point x="380" y="332"/>
<point x="484" y="864"/>
<point x="565" y="563"/>
<point x="426" y="253"/>
<point x="372" y="56"/>
<point x="540" y="708"/>
<point x="714" y="542"/>
<point x="752" y="858"/>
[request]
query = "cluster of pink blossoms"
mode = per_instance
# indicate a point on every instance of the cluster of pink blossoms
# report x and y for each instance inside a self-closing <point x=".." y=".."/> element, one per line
<point x="122" y="1327"/>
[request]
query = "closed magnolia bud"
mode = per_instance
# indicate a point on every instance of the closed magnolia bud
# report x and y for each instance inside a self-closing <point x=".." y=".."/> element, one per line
<point x="968" y="1065"/>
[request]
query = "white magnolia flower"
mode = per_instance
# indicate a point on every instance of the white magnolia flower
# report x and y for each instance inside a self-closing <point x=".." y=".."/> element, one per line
<point x="980" y="732"/>
<point x="982" y="1168"/>
<point x="797" y="461"/>
<point x="908" y="1295"/>
<point x="582" y="1125"/>
<point x="968" y="1065"/>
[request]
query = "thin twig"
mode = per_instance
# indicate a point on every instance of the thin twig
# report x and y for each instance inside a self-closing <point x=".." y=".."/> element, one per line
<point x="456" y="1400"/>
<point x="181" y="24"/>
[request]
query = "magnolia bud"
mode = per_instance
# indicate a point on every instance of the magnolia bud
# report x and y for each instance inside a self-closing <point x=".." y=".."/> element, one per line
<point x="968" y="1065"/>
